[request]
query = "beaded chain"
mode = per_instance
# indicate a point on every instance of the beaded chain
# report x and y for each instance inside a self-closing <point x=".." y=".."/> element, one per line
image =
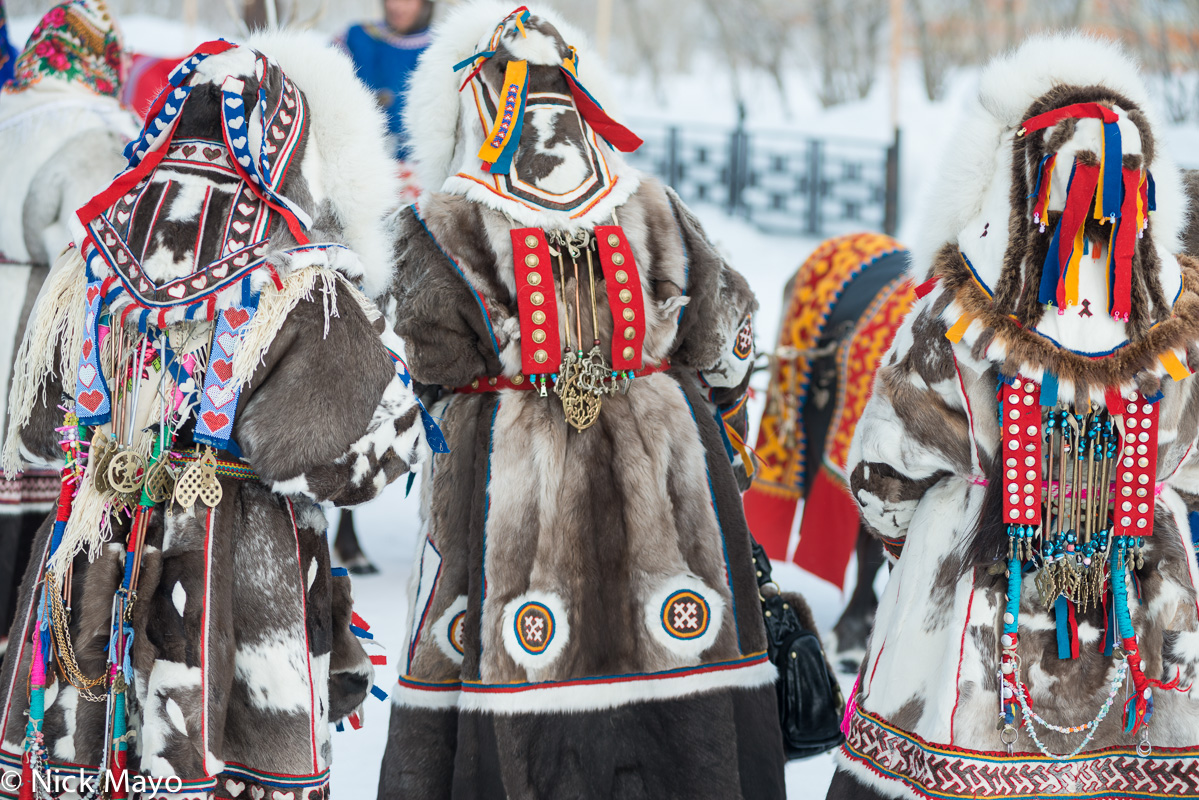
<point x="1091" y="727"/>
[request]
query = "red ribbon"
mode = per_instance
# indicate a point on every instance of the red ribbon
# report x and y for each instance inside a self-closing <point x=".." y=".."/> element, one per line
<point x="1074" y="111"/>
<point x="616" y="134"/>
<point x="1078" y="205"/>
<point x="923" y="289"/>
<point x="1125" y="246"/>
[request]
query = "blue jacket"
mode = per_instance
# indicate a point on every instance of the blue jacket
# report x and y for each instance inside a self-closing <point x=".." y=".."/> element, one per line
<point x="384" y="59"/>
<point x="8" y="53"/>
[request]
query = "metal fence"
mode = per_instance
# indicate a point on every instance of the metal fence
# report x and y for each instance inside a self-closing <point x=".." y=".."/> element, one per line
<point x="783" y="183"/>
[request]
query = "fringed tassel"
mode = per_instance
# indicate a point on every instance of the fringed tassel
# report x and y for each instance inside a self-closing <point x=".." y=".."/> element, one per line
<point x="275" y="306"/>
<point x="851" y="706"/>
<point x="55" y="327"/>
<point x="87" y="529"/>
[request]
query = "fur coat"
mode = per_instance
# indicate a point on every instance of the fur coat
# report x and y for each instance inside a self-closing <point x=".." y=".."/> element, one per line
<point x="931" y="474"/>
<point x="62" y="142"/>
<point x="239" y="636"/>
<point x="584" y="619"/>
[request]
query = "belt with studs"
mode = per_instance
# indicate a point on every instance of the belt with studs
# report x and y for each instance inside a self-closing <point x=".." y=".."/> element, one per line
<point x="519" y="382"/>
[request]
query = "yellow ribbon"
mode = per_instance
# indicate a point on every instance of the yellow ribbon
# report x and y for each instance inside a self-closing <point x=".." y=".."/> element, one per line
<point x="1072" y="268"/>
<point x="1174" y="365"/>
<point x="958" y="330"/>
<point x="515" y="76"/>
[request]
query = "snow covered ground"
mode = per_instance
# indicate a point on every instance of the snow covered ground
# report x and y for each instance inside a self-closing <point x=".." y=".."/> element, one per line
<point x="388" y="527"/>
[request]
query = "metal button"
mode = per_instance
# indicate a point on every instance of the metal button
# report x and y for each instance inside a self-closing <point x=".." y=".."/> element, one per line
<point x="630" y="332"/>
<point x="536" y="298"/>
<point x="530" y="241"/>
<point x="534" y="278"/>
<point x="540" y="357"/>
<point x="613" y="240"/>
<point x="628" y="353"/>
<point x="532" y="260"/>
<point x="629" y="315"/>
<point x="617" y="259"/>
<point x="622" y="276"/>
<point x="539" y="336"/>
<point x="492" y="381"/>
<point x="626" y="296"/>
<point x="538" y="317"/>
<point x="518" y="379"/>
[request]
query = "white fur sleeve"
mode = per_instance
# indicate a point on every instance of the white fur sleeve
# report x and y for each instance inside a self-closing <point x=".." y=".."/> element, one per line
<point x="912" y="434"/>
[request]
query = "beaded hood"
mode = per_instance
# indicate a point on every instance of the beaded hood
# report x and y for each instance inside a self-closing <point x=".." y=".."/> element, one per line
<point x="497" y="112"/>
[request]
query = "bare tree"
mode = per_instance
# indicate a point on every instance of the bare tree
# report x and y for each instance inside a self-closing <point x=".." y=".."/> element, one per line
<point x="844" y="40"/>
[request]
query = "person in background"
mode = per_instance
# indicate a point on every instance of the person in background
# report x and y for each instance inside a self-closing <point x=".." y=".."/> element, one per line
<point x="59" y="111"/>
<point x="8" y="53"/>
<point x="386" y="52"/>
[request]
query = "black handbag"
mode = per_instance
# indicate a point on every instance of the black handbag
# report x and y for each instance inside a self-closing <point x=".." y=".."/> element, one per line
<point x="809" y="697"/>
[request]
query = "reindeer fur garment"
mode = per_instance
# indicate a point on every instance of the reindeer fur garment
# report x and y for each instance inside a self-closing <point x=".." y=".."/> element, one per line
<point x="242" y="649"/>
<point x="925" y="471"/>
<point x="599" y="526"/>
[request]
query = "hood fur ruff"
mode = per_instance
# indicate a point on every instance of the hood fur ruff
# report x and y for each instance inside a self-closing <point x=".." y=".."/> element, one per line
<point x="978" y="152"/>
<point x="443" y="129"/>
<point x="357" y="176"/>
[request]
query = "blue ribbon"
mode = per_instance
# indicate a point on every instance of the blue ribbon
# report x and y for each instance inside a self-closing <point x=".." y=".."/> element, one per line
<point x="1113" y="170"/>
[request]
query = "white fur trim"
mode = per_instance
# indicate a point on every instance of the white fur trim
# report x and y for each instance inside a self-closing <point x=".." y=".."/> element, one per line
<point x="602" y="693"/>
<point x="976" y="159"/>
<point x="357" y="173"/>
<point x="405" y="695"/>
<point x="686" y="648"/>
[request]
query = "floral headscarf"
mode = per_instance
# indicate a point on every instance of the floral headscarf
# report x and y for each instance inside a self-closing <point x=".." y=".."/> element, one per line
<point x="77" y="42"/>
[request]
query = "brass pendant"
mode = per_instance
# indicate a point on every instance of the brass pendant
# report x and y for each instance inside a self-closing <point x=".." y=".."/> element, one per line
<point x="126" y="471"/>
<point x="594" y="372"/>
<point x="160" y="481"/>
<point x="99" y="455"/>
<point x="582" y="406"/>
<point x="199" y="481"/>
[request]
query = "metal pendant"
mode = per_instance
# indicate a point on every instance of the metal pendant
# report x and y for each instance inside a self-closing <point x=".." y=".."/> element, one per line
<point x="126" y="471"/>
<point x="160" y="481"/>
<point x="199" y="481"/>
<point x="99" y="455"/>
<point x="595" y="373"/>
<point x="582" y="405"/>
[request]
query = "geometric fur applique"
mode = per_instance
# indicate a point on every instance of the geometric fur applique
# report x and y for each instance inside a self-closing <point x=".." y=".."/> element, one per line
<point x="684" y="615"/>
<point x="535" y="629"/>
